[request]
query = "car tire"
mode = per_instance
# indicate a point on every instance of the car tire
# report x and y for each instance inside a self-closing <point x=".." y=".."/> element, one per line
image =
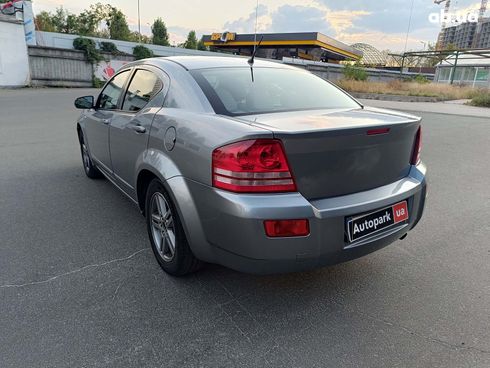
<point x="88" y="166"/>
<point x="167" y="236"/>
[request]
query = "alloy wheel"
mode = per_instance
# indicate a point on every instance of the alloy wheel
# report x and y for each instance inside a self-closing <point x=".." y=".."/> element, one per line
<point x="86" y="157"/>
<point x="162" y="226"/>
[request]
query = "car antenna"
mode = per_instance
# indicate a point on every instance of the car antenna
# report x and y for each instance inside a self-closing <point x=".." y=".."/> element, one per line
<point x="252" y="59"/>
<point x="256" y="45"/>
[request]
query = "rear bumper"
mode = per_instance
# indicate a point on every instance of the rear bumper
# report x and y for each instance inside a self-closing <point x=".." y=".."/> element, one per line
<point x="230" y="227"/>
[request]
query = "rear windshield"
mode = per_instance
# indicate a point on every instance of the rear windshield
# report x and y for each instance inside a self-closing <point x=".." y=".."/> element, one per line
<point x="232" y="92"/>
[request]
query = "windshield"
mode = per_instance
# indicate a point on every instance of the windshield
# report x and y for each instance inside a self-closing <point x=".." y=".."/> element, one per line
<point x="232" y="92"/>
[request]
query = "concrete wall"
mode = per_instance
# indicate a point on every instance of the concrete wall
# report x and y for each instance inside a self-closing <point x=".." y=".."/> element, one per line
<point x="62" y="67"/>
<point x="58" y="64"/>
<point x="14" y="66"/>
<point x="59" y="67"/>
<point x="54" y="62"/>
<point x="51" y="66"/>
<point x="65" y="41"/>
<point x="334" y="72"/>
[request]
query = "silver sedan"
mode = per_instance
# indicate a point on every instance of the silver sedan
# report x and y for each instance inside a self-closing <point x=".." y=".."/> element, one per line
<point x="264" y="168"/>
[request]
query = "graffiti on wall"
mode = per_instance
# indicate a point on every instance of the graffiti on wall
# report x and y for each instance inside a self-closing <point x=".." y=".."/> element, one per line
<point x="105" y="70"/>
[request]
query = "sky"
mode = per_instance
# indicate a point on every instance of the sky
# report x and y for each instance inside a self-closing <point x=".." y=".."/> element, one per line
<point x="383" y="24"/>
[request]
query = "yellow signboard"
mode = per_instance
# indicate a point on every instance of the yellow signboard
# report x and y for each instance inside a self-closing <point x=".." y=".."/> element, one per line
<point x="223" y="37"/>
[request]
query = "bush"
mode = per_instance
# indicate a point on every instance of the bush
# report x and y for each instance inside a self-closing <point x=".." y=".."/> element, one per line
<point x="481" y="99"/>
<point x="109" y="47"/>
<point x="96" y="82"/>
<point x="354" y="72"/>
<point x="420" y="79"/>
<point x="398" y="87"/>
<point x="88" y="46"/>
<point x="142" y="52"/>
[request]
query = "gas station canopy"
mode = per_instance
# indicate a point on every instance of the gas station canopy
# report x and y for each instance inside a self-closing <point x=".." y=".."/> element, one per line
<point x="307" y="45"/>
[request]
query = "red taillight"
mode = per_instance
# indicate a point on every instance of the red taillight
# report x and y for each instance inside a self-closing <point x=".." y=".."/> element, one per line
<point x="252" y="166"/>
<point x="286" y="228"/>
<point x="378" y="131"/>
<point x="417" y="148"/>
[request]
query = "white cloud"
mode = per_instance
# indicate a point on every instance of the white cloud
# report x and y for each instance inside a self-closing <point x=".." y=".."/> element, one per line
<point x="247" y="24"/>
<point x="382" y="23"/>
<point x="341" y="20"/>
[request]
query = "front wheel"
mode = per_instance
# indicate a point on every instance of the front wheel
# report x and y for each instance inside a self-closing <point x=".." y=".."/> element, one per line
<point x="90" y="169"/>
<point x="167" y="237"/>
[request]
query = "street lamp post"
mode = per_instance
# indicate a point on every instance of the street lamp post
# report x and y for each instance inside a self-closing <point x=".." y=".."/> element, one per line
<point x="139" y="22"/>
<point x="425" y="44"/>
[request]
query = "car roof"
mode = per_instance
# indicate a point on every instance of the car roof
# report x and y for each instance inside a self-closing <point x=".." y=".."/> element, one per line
<point x="204" y="62"/>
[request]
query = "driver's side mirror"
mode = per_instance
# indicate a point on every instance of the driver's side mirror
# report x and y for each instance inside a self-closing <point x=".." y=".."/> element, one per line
<point x="85" y="102"/>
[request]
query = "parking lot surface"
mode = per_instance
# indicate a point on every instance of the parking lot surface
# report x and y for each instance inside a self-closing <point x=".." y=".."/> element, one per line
<point x="79" y="286"/>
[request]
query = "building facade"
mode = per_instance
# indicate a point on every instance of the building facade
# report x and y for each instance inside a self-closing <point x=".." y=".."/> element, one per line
<point x="483" y="40"/>
<point x="466" y="35"/>
<point x="470" y="70"/>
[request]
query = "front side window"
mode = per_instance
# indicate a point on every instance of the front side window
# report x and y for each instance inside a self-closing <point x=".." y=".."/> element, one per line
<point x="110" y="94"/>
<point x="231" y="91"/>
<point x="143" y="87"/>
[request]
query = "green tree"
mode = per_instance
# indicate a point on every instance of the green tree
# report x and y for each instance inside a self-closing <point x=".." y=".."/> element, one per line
<point x="102" y="33"/>
<point x="201" y="46"/>
<point x="135" y="36"/>
<point x="191" y="42"/>
<point x="101" y="11"/>
<point x="44" y="23"/>
<point x="88" y="21"/>
<point x="159" y="31"/>
<point x="71" y="25"/>
<point x="62" y="20"/>
<point x="118" y="25"/>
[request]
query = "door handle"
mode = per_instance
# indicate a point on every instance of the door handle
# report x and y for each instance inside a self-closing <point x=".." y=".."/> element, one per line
<point x="138" y="128"/>
<point x="106" y="121"/>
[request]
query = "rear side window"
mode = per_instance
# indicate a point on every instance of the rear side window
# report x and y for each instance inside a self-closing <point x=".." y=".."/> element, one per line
<point x="110" y="94"/>
<point x="143" y="87"/>
<point x="231" y="91"/>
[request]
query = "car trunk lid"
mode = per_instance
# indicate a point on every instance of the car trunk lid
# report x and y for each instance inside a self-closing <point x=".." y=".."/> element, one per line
<point x="339" y="152"/>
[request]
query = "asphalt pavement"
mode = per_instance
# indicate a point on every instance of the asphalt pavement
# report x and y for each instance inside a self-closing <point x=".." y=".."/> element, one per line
<point x="79" y="286"/>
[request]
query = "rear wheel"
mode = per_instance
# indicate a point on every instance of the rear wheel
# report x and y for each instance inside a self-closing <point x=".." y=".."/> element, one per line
<point x="167" y="237"/>
<point x="90" y="169"/>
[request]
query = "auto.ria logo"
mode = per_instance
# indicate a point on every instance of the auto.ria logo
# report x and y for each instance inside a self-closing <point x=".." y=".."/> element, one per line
<point x="453" y="18"/>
